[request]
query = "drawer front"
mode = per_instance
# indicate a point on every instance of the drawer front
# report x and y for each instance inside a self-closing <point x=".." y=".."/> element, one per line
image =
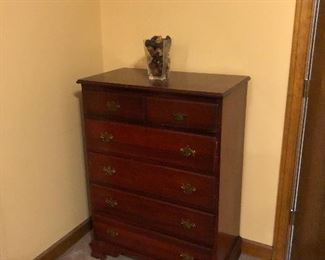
<point x="114" y="105"/>
<point x="163" y="217"/>
<point x="187" y="151"/>
<point x="182" y="114"/>
<point x="167" y="183"/>
<point x="143" y="242"/>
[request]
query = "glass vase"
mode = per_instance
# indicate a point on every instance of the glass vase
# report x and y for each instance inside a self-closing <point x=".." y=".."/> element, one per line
<point x="158" y="61"/>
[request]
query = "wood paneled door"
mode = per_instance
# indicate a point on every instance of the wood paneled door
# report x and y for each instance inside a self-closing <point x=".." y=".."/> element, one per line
<point x="308" y="232"/>
<point x="300" y="227"/>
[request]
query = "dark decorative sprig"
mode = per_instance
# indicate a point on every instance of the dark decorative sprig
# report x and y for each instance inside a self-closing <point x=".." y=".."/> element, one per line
<point x="157" y="47"/>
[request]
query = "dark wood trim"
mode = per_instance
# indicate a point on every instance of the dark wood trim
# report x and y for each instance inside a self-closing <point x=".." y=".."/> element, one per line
<point x="236" y="249"/>
<point x="252" y="248"/>
<point x="66" y="242"/>
<point x="302" y="26"/>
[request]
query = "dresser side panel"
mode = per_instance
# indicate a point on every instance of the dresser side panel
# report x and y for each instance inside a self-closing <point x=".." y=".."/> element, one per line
<point x="231" y="161"/>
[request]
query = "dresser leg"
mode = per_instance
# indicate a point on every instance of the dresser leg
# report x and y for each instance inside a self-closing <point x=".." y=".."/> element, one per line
<point x="98" y="255"/>
<point x="97" y="250"/>
<point x="100" y="250"/>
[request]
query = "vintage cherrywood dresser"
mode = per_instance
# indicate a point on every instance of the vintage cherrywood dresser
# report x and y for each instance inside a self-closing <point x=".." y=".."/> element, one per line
<point x="165" y="164"/>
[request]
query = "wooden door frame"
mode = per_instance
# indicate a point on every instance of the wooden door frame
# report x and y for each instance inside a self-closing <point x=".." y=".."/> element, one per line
<point x="299" y="52"/>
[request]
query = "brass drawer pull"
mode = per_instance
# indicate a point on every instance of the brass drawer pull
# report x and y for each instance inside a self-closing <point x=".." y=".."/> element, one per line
<point x="179" y="117"/>
<point x="109" y="171"/>
<point x="187" y="224"/>
<point x="110" y="202"/>
<point x="185" y="256"/>
<point x="187" y="151"/>
<point x="113" y="106"/>
<point x="112" y="233"/>
<point x="106" y="137"/>
<point x="188" y="188"/>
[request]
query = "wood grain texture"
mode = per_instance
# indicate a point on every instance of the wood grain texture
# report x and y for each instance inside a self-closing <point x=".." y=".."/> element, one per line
<point x="152" y="246"/>
<point x="149" y="161"/>
<point x="182" y="114"/>
<point x="309" y="225"/>
<point x="116" y="105"/>
<point x="154" y="214"/>
<point x="155" y="181"/>
<point x="162" y="146"/>
<point x="202" y="84"/>
<point x="256" y="249"/>
<point x="300" y="42"/>
<point x="231" y="164"/>
<point x="231" y="161"/>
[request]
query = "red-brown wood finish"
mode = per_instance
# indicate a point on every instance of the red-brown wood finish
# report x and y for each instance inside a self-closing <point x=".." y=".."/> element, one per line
<point x="156" y="181"/>
<point x="114" y="105"/>
<point x="179" y="83"/>
<point x="164" y="164"/>
<point x="182" y="114"/>
<point x="231" y="161"/>
<point x="157" y="145"/>
<point x="159" y="216"/>
<point x="144" y="243"/>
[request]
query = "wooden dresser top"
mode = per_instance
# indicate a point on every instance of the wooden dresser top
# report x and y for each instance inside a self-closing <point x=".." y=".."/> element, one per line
<point x="213" y="85"/>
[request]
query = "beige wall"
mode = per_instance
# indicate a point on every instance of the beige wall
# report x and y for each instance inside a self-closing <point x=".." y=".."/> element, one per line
<point x="237" y="36"/>
<point x="44" y="47"/>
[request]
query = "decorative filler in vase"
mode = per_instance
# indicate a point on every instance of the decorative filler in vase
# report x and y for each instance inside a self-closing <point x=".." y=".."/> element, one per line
<point x="157" y="54"/>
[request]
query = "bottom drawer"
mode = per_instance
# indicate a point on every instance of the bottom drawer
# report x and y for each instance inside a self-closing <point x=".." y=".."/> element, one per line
<point x="143" y="242"/>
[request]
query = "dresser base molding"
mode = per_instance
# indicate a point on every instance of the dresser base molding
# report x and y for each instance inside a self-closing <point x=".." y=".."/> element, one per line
<point x="101" y="249"/>
<point x="251" y="248"/>
<point x="149" y="246"/>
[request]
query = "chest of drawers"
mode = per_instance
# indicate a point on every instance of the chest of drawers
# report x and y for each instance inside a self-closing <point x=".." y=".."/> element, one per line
<point x="164" y="163"/>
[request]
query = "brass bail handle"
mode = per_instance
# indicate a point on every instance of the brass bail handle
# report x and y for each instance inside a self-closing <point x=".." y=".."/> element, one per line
<point x="113" y="105"/>
<point x="188" y="188"/>
<point x="109" y="170"/>
<point x="110" y="202"/>
<point x="106" y="137"/>
<point x="185" y="256"/>
<point x="112" y="233"/>
<point x="187" y="224"/>
<point x="187" y="151"/>
<point x="179" y="117"/>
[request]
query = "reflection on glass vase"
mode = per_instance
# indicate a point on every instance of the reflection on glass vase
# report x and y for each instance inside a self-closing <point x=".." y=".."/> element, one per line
<point x="157" y="55"/>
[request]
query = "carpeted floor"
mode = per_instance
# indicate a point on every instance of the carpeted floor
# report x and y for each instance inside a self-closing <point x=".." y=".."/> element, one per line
<point x="81" y="251"/>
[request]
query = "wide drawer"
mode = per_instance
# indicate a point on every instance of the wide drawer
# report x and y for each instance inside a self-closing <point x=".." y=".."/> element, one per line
<point x="187" y="151"/>
<point x="170" y="184"/>
<point x="181" y="222"/>
<point x="182" y="114"/>
<point x="114" y="105"/>
<point x="144" y="242"/>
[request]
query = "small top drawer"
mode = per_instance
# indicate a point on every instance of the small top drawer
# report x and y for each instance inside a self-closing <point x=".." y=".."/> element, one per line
<point x="115" y="105"/>
<point x="183" y="114"/>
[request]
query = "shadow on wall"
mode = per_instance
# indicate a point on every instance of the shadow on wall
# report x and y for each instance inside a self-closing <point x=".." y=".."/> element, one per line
<point x="78" y="95"/>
